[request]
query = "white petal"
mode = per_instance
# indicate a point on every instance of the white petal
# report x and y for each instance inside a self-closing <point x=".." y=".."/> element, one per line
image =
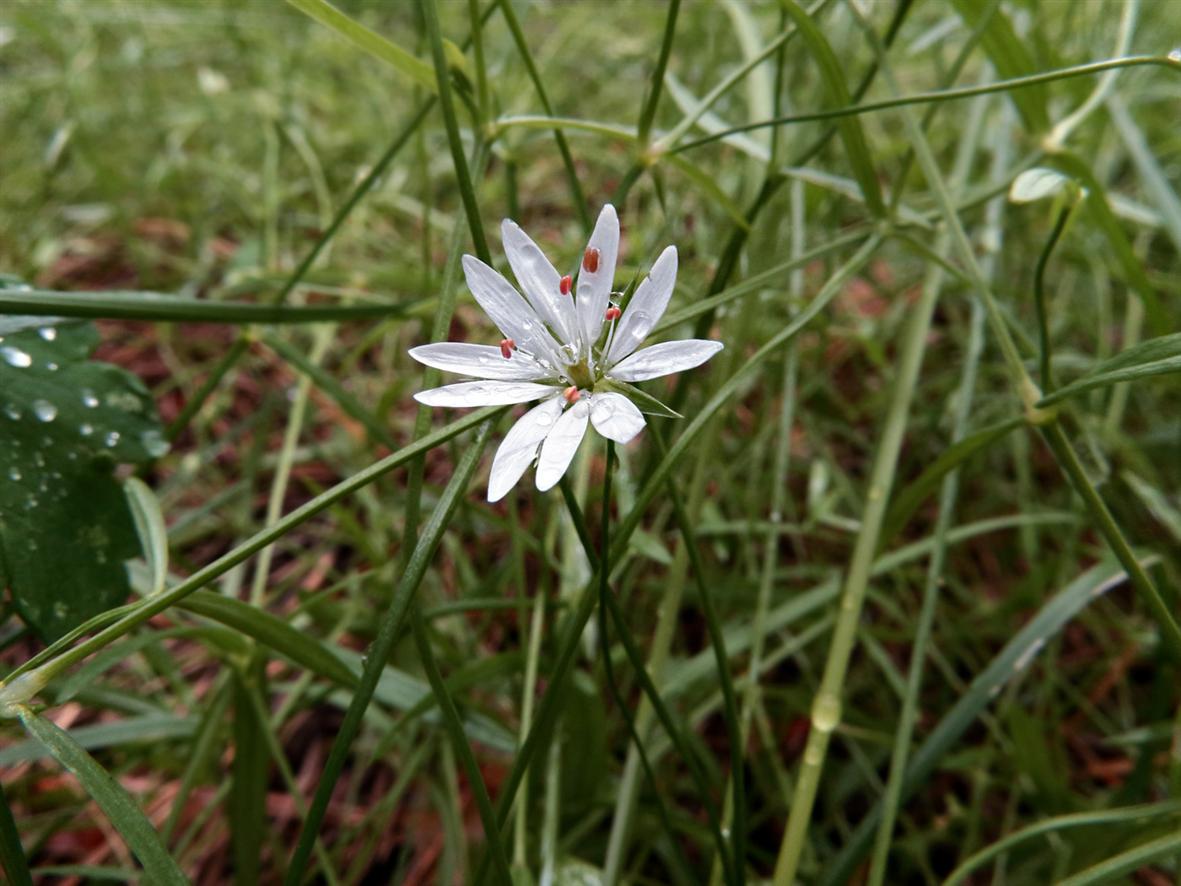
<point x="539" y="281"/>
<point x="520" y="446"/>
<point x="481" y="361"/>
<point x="615" y="417"/>
<point x="512" y="315"/>
<point x="559" y="447"/>
<point x="646" y="306"/>
<point x="594" y="289"/>
<point x="483" y="393"/>
<point x="664" y="359"/>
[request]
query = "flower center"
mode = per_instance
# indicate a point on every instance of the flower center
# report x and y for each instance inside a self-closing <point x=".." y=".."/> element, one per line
<point x="580" y="375"/>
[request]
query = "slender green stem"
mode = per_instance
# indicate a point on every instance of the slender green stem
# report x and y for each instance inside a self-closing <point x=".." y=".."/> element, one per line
<point x="164" y="308"/>
<point x="477" y="33"/>
<point x="605" y="652"/>
<point x="467" y="192"/>
<point x="1039" y="298"/>
<point x="722" y="661"/>
<point x="656" y="84"/>
<point x="1068" y="461"/>
<point x="576" y="195"/>
<point x="454" y="726"/>
<point x="379" y="652"/>
<point x="939" y="96"/>
<point x="195" y="402"/>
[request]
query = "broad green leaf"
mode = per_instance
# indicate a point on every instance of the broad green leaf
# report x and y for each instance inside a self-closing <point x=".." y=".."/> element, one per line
<point x="65" y="422"/>
<point x="373" y="43"/>
<point x="118" y="805"/>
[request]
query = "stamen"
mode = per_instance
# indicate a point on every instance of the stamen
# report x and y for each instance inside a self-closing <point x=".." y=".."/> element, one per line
<point x="613" y="314"/>
<point x="571" y="394"/>
<point x="564" y="286"/>
<point x="507" y="346"/>
<point x="590" y="259"/>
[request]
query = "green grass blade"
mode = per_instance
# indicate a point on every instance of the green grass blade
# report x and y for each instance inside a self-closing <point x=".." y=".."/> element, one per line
<point x="1113" y="869"/>
<point x="407" y="64"/>
<point x="150" y="526"/>
<point x="249" y="774"/>
<point x="273" y="632"/>
<point x="118" y="805"/>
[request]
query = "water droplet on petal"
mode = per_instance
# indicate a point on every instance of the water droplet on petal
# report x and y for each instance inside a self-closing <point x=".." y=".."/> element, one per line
<point x="44" y="410"/>
<point x="15" y="357"/>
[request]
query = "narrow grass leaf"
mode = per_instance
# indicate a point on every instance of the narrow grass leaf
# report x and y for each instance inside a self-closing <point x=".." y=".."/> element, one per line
<point x="12" y="853"/>
<point x="407" y="64"/>
<point x="149" y="525"/>
<point x="118" y="805"/>
<point x="249" y="775"/>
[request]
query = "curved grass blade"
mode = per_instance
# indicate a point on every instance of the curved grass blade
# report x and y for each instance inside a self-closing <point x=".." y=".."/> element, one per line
<point x="379" y="47"/>
<point x="150" y="527"/>
<point x="120" y="808"/>
<point x="12" y="853"/>
<point x="1112" y="869"/>
<point x="1011" y="662"/>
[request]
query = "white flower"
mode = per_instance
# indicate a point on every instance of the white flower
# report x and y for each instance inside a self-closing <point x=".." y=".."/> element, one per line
<point x="569" y="348"/>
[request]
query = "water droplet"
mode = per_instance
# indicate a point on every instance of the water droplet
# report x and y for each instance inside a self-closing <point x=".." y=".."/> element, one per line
<point x="544" y="419"/>
<point x="44" y="410"/>
<point x="39" y="458"/>
<point x="31" y="502"/>
<point x="51" y="366"/>
<point x="88" y="399"/>
<point x="60" y="609"/>
<point x="15" y="357"/>
<point x="112" y="438"/>
<point x="154" y="443"/>
<point x="14" y="474"/>
<point x="86" y="430"/>
<point x="1175" y="55"/>
<point x="10" y="409"/>
<point x="47" y="332"/>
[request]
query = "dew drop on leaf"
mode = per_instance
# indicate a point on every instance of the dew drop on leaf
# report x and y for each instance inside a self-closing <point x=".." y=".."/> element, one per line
<point x="112" y="438"/>
<point x="47" y="332"/>
<point x="15" y="357"/>
<point x="88" y="399"/>
<point x="10" y="409"/>
<point x="44" y="410"/>
<point x="86" y="430"/>
<point x="14" y="474"/>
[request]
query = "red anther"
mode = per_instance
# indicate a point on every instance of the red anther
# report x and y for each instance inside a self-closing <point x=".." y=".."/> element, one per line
<point x="590" y="259"/>
<point x="507" y="346"/>
<point x="565" y="285"/>
<point x="571" y="394"/>
<point x="613" y="314"/>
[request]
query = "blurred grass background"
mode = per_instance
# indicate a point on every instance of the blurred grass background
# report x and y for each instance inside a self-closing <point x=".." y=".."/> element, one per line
<point x="202" y="147"/>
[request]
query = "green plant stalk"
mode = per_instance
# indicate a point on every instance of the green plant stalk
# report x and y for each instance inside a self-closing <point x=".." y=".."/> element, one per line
<point x="454" y="726"/>
<point x="948" y="496"/>
<point x="59" y="656"/>
<point x="1039" y="297"/>
<point x="576" y="195"/>
<point x="1069" y="464"/>
<point x="430" y="16"/>
<point x="609" y="669"/>
<point x="165" y="308"/>
<point x="477" y="32"/>
<point x="940" y="96"/>
<point x="528" y="690"/>
<point x="651" y="692"/>
<point x="379" y="651"/>
<point x="656" y="84"/>
<point x="826" y="708"/>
